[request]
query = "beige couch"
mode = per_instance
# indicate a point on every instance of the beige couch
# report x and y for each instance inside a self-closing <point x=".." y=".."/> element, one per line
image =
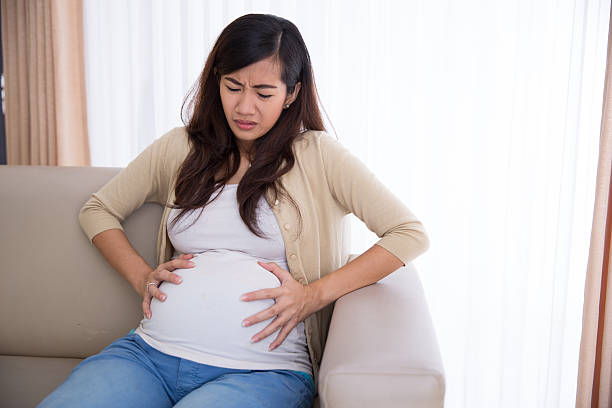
<point x="61" y="302"/>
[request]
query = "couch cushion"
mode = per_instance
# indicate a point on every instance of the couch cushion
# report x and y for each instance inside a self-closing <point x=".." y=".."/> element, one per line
<point x="25" y="381"/>
<point x="42" y="243"/>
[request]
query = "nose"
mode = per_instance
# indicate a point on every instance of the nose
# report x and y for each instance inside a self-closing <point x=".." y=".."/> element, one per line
<point x="246" y="104"/>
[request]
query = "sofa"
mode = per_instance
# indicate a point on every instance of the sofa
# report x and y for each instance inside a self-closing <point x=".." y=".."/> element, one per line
<point x="61" y="302"/>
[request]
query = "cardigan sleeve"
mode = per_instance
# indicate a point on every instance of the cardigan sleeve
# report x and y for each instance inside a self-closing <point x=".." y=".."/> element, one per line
<point x="143" y="180"/>
<point x="357" y="190"/>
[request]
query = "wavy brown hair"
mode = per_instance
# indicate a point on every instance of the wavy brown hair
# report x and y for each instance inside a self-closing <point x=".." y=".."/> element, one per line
<point x="248" y="39"/>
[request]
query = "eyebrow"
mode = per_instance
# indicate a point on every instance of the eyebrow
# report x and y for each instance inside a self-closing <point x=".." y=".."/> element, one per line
<point x="262" y="86"/>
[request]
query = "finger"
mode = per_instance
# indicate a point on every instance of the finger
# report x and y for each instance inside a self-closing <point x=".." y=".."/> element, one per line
<point x="265" y="265"/>
<point x="146" y="307"/>
<point x="269" y="329"/>
<point x="166" y="275"/>
<point x="282" y="335"/>
<point x="261" y="316"/>
<point x="276" y="270"/>
<point x="178" y="263"/>
<point x="185" y="256"/>
<point x="155" y="292"/>
<point x="146" y="302"/>
<point x="270" y="293"/>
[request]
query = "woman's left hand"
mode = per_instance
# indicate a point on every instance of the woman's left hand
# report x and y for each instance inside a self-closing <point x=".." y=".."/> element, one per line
<point x="294" y="303"/>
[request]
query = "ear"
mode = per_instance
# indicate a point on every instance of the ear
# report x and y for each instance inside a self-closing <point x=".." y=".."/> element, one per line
<point x="293" y="95"/>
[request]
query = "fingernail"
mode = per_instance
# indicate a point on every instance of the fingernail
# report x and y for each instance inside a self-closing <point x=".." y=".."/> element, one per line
<point x="191" y="263"/>
<point x="253" y="339"/>
<point x="243" y="297"/>
<point x="178" y="280"/>
<point x="245" y="323"/>
<point x="163" y="297"/>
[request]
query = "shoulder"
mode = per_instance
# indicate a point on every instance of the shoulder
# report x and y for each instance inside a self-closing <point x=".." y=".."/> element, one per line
<point x="173" y="146"/>
<point x="175" y="141"/>
<point x="314" y="141"/>
<point x="318" y="145"/>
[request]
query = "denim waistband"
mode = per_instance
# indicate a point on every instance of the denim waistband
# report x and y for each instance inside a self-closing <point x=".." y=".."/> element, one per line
<point x="305" y="374"/>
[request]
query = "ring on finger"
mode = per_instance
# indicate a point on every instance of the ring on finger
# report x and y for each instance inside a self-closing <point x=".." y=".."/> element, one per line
<point x="151" y="283"/>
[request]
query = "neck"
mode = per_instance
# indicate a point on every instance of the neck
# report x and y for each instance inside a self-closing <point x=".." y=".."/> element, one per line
<point x="245" y="147"/>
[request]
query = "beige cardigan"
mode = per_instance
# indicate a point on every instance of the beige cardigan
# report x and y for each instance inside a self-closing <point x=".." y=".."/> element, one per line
<point x="326" y="181"/>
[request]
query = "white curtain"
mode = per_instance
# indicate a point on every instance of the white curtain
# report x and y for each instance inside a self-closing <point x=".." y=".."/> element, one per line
<point x="482" y="115"/>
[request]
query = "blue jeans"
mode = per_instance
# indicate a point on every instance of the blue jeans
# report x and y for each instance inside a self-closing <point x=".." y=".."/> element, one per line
<point x="130" y="373"/>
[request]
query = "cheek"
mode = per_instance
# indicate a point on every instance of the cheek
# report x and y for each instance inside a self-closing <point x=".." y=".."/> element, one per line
<point x="226" y="105"/>
<point x="272" y="114"/>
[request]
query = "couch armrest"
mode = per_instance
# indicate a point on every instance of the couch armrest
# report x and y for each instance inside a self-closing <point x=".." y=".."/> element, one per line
<point x="382" y="350"/>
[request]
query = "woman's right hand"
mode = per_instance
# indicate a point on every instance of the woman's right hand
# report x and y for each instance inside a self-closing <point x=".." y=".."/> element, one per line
<point x="152" y="281"/>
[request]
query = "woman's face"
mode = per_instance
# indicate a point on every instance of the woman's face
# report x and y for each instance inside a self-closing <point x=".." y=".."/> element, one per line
<point x="253" y="98"/>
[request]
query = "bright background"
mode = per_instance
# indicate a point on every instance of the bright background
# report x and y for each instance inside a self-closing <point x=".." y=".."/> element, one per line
<point x="483" y="116"/>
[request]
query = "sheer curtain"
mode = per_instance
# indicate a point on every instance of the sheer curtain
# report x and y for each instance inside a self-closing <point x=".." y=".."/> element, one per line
<point x="483" y="116"/>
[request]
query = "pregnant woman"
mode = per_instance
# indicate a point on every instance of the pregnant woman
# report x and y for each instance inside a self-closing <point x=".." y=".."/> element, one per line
<point x="251" y="242"/>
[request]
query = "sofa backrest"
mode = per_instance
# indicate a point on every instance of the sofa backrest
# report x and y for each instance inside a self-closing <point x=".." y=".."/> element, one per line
<point x="59" y="297"/>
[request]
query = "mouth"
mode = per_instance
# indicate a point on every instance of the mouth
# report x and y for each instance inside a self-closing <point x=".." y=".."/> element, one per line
<point x="245" y="124"/>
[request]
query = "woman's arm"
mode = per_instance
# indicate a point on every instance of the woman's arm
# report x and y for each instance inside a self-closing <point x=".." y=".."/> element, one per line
<point x="371" y="266"/>
<point x="368" y="268"/>
<point x="121" y="255"/>
<point x="357" y="190"/>
<point x="101" y="216"/>
<point x="145" y="179"/>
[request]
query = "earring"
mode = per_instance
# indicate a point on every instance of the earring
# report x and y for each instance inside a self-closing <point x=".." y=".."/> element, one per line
<point x="287" y="106"/>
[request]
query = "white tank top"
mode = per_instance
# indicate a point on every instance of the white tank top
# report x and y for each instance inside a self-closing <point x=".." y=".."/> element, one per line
<point x="201" y="318"/>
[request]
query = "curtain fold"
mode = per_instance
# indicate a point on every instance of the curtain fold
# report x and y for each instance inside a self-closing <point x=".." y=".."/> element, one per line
<point x="595" y="365"/>
<point x="46" y="115"/>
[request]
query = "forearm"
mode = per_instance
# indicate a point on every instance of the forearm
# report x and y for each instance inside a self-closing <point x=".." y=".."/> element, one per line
<point x="121" y="255"/>
<point x="369" y="267"/>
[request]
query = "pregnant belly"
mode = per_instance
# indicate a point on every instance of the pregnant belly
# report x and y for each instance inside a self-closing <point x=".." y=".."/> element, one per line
<point x="205" y="311"/>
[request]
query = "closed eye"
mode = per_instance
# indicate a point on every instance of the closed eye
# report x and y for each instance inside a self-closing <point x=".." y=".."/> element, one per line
<point x="238" y="89"/>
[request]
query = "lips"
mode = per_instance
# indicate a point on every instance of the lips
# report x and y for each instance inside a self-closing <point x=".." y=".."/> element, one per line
<point x="245" y="124"/>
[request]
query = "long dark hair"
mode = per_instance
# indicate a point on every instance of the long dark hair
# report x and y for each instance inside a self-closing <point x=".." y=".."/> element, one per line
<point x="248" y="39"/>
